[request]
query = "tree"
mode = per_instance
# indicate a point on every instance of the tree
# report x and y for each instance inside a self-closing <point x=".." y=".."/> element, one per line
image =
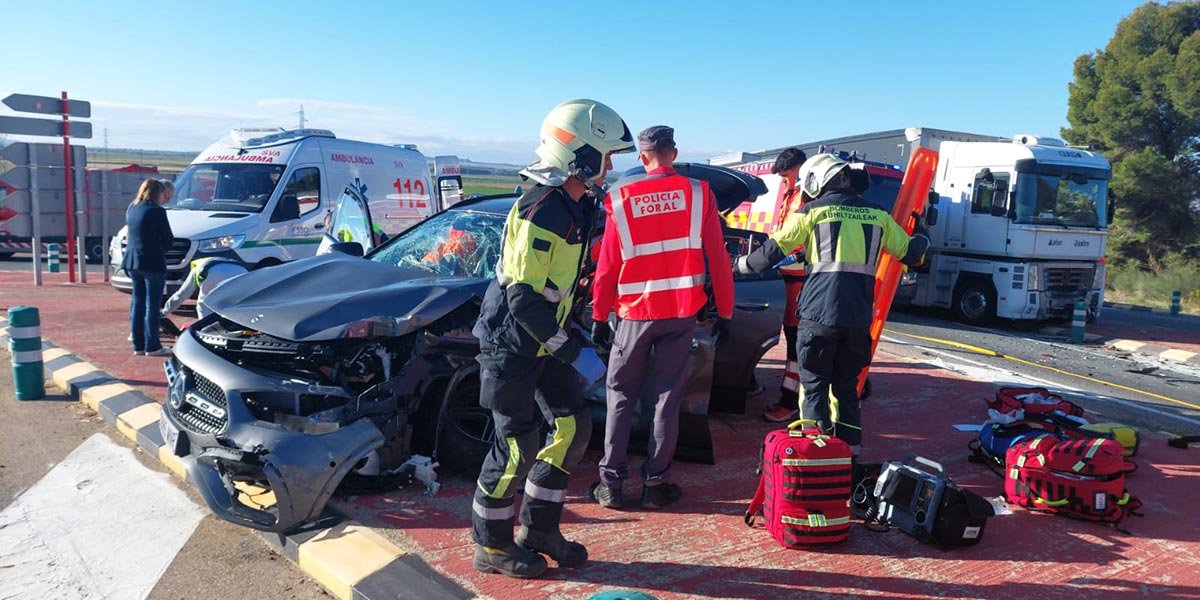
<point x="1138" y="102"/>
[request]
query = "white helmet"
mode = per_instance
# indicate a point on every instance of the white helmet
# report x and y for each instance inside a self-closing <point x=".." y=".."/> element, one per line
<point x="576" y="136"/>
<point x="818" y="171"/>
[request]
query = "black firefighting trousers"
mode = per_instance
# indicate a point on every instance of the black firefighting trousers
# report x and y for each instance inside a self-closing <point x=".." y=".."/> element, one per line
<point x="831" y="358"/>
<point x="514" y="387"/>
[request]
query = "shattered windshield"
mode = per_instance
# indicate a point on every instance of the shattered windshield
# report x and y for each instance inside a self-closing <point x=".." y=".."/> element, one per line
<point x="458" y="243"/>
<point x="233" y="187"/>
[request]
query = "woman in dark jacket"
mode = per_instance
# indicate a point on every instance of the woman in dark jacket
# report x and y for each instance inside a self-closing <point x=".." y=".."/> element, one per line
<point x="149" y="236"/>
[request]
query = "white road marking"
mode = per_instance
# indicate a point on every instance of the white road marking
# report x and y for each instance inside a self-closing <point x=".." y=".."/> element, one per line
<point x="98" y="525"/>
<point x="985" y="372"/>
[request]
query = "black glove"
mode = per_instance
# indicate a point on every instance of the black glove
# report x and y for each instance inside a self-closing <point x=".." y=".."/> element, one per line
<point x="722" y="328"/>
<point x="919" y="226"/>
<point x="602" y="337"/>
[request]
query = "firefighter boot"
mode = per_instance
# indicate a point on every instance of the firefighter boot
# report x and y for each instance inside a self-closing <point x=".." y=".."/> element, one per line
<point x="566" y="553"/>
<point x="513" y="561"/>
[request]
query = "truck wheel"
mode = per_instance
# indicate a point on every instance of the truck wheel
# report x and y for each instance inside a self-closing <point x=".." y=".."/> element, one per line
<point x="974" y="302"/>
<point x="466" y="431"/>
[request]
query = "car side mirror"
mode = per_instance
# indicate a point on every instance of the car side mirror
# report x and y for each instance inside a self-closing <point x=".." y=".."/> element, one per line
<point x="1111" y="208"/>
<point x="932" y="198"/>
<point x="931" y="216"/>
<point x="350" y="248"/>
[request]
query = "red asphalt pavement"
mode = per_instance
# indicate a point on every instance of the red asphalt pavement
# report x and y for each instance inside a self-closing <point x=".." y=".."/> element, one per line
<point x="701" y="548"/>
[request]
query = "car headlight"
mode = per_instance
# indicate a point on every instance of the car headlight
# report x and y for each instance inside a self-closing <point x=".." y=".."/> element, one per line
<point x="225" y="242"/>
<point x="1033" y="277"/>
<point x="317" y="423"/>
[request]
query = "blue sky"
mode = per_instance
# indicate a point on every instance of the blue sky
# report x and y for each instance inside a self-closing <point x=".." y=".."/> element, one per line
<point x="476" y="78"/>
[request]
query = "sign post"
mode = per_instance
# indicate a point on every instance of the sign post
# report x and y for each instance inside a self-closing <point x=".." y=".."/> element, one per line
<point x="66" y="108"/>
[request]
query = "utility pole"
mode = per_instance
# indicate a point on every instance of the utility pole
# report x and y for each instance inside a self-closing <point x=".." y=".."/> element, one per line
<point x="301" y="116"/>
<point x="106" y="145"/>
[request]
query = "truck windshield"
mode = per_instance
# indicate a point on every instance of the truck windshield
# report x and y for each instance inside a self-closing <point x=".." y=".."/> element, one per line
<point x="1066" y="200"/>
<point x="226" y="187"/>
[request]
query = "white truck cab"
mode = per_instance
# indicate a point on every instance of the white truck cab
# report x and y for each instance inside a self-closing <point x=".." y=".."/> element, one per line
<point x="1020" y="233"/>
<point x="262" y="197"/>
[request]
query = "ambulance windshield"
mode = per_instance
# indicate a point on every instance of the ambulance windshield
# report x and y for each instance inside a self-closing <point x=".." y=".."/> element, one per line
<point x="234" y="187"/>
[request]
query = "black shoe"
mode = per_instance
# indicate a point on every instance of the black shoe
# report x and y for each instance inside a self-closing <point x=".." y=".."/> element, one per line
<point x="513" y="561"/>
<point x="661" y="495"/>
<point x="606" y="496"/>
<point x="566" y="553"/>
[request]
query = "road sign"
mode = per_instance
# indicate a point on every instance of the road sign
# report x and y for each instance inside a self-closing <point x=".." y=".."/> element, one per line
<point x="44" y="155"/>
<point x="48" y="106"/>
<point x="17" y="178"/>
<point x="27" y="126"/>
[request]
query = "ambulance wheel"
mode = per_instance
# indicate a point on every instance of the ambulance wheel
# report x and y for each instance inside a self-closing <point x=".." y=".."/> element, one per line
<point x="974" y="302"/>
<point x="866" y="393"/>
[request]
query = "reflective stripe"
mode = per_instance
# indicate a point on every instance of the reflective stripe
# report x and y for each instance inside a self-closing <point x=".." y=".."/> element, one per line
<point x="510" y="471"/>
<point x="20" y="333"/>
<point x="556" y="341"/>
<point x="815" y="520"/>
<point x="825" y="248"/>
<point x="1091" y="453"/>
<point x="555" y="454"/>
<point x="660" y="247"/>
<point x="873" y="252"/>
<point x="697" y="213"/>
<point x="618" y="215"/>
<point x="791" y="385"/>
<point x="792" y="367"/>
<point x="814" y="462"/>
<point x="26" y="356"/>
<point x="537" y="492"/>
<point x="841" y="267"/>
<point x="493" y="514"/>
<point x="660" y="285"/>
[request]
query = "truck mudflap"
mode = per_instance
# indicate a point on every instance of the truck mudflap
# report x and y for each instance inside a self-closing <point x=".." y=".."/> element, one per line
<point x="301" y="470"/>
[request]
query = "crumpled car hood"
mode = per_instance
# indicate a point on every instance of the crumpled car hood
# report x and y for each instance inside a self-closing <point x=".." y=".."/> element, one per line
<point x="315" y="299"/>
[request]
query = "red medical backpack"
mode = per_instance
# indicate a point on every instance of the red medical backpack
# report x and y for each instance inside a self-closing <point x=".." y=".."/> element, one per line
<point x="803" y="487"/>
<point x="1010" y="399"/>
<point x="1081" y="478"/>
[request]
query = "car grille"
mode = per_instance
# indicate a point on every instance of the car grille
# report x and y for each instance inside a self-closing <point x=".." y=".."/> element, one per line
<point x="198" y="420"/>
<point x="1068" y="279"/>
<point x="178" y="252"/>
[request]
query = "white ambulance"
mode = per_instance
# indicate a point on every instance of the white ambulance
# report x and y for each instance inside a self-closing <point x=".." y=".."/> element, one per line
<point x="262" y="197"/>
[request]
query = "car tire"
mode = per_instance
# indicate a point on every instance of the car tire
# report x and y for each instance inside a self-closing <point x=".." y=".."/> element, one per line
<point x="465" y="430"/>
<point x="974" y="302"/>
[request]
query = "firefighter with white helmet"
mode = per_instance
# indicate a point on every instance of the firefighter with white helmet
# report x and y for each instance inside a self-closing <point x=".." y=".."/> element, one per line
<point x="843" y="236"/>
<point x="531" y="361"/>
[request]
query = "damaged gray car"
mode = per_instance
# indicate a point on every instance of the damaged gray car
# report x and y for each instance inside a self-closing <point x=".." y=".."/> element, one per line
<point x="352" y="373"/>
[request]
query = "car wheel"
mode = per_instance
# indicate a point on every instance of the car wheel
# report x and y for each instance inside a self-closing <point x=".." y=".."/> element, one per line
<point x="974" y="302"/>
<point x="466" y="431"/>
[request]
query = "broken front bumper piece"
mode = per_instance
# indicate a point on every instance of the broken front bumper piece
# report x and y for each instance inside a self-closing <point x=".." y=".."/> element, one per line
<point x="224" y="446"/>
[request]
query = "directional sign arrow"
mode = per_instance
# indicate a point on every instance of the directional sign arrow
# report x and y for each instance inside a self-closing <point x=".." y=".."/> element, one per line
<point x="47" y="105"/>
<point x="27" y="126"/>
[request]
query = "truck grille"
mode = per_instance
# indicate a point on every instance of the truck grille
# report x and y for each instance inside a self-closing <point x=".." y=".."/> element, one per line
<point x="195" y="418"/>
<point x="178" y="252"/>
<point x="1069" y="279"/>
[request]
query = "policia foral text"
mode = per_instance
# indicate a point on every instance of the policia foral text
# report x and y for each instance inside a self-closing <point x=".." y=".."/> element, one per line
<point x="529" y="358"/>
<point x="843" y="236"/>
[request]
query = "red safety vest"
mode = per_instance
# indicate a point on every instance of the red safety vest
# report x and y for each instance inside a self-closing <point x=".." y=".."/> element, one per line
<point x="659" y="220"/>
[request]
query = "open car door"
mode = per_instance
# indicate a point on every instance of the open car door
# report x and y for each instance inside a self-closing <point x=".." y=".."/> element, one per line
<point x="349" y="221"/>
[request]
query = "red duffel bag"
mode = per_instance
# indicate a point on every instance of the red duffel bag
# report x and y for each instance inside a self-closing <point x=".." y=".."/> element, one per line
<point x="1080" y="478"/>
<point x="1034" y="401"/>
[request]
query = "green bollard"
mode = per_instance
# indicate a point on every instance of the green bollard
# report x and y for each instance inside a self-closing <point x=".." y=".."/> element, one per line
<point x="52" y="258"/>
<point x="1078" y="321"/>
<point x="25" y="344"/>
<point x="1176" y="296"/>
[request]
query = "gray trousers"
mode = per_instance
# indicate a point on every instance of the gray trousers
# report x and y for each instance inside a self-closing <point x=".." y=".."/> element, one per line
<point x="648" y="357"/>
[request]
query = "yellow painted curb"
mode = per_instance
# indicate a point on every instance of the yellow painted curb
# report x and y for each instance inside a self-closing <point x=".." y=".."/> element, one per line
<point x="130" y="421"/>
<point x="1127" y="345"/>
<point x="172" y="462"/>
<point x="62" y="376"/>
<point x="344" y="555"/>
<point x="1177" y="355"/>
<point x="92" y="396"/>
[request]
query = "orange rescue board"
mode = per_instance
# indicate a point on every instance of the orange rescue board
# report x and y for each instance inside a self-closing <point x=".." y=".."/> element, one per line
<point x="914" y="191"/>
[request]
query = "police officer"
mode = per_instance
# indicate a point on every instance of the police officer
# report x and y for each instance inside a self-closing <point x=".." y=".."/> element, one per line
<point x="843" y="236"/>
<point x="661" y="228"/>
<point x="787" y="167"/>
<point x="530" y="360"/>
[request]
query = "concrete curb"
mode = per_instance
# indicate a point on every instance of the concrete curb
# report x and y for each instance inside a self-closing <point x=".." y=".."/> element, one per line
<point x="348" y="559"/>
<point x="1136" y="308"/>
<point x="1175" y="355"/>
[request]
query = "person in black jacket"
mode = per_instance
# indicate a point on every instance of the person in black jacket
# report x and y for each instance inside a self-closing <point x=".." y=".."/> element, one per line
<point x="149" y="236"/>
